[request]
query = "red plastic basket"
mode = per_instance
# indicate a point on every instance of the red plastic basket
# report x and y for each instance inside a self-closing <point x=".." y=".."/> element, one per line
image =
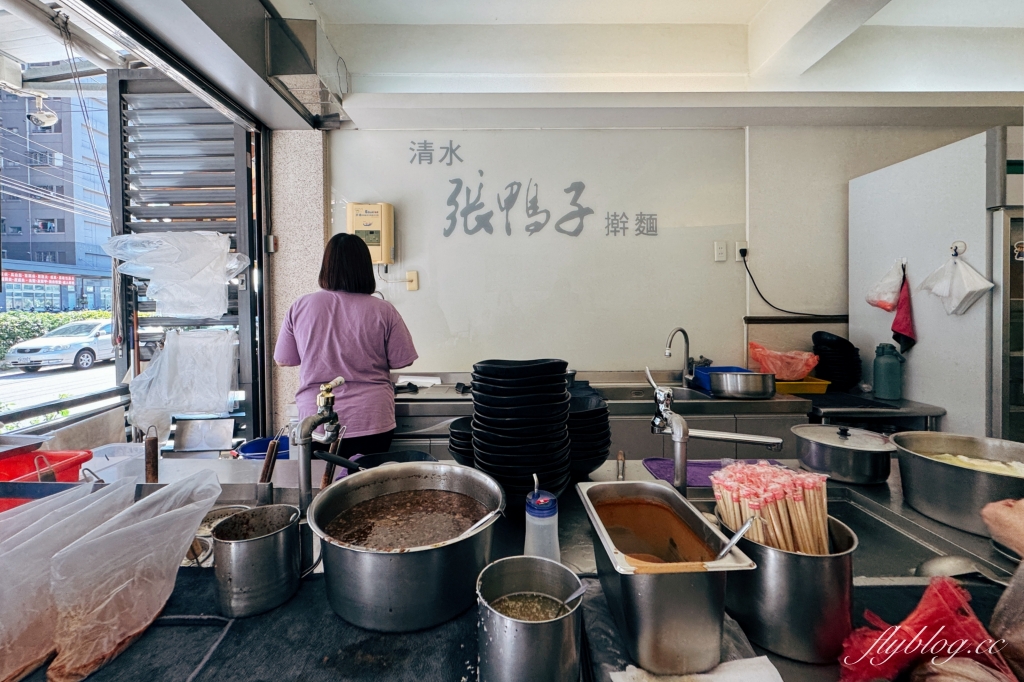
<point x="21" y="468"/>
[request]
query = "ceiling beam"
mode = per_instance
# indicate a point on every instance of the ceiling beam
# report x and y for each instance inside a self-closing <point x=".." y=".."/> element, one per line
<point x="787" y="37"/>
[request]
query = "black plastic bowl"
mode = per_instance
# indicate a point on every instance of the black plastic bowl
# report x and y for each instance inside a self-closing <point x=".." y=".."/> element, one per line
<point x="553" y="411"/>
<point x="519" y="383"/>
<point x="586" y="403"/>
<point x="520" y="369"/>
<point x="499" y="438"/>
<point x="509" y="465"/>
<point x="536" y="399"/>
<point x="540" y="428"/>
<point x="556" y="388"/>
<point x="545" y="448"/>
<point x="462" y="425"/>
<point x="831" y="341"/>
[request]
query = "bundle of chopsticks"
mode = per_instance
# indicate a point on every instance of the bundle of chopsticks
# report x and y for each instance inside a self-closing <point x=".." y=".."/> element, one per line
<point x="790" y="507"/>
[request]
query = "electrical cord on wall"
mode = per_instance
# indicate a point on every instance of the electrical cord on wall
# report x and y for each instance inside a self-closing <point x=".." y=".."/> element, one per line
<point x="389" y="281"/>
<point x="743" y="255"/>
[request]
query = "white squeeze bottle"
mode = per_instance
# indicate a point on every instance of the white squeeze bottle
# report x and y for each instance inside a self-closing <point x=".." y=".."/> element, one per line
<point x="542" y="524"/>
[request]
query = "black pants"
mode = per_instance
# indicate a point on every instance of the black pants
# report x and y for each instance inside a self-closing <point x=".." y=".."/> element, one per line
<point x="361" y="445"/>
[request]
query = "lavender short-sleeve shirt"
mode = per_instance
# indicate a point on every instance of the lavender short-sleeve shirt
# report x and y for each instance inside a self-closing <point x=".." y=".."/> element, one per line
<point x="355" y="336"/>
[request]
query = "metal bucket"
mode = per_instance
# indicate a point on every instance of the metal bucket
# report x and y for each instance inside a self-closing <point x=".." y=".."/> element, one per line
<point x="256" y="559"/>
<point x="514" y="650"/>
<point x="796" y="605"/>
<point x="404" y="589"/>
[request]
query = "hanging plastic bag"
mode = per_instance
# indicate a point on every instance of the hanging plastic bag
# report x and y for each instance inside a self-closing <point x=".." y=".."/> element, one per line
<point x="957" y="284"/>
<point x="27" y="613"/>
<point x="193" y="374"/>
<point x="111" y="584"/>
<point x="886" y="292"/>
<point x="791" y="365"/>
<point x="188" y="272"/>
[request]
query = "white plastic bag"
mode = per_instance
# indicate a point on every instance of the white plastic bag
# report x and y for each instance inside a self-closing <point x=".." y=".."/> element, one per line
<point x="188" y="272"/>
<point x="15" y="520"/>
<point x="885" y="294"/>
<point x="27" y="612"/>
<point x="193" y="374"/>
<point x="957" y="284"/>
<point x="111" y="584"/>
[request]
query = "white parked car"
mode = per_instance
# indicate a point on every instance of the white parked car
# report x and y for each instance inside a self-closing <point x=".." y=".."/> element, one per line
<point x="79" y="344"/>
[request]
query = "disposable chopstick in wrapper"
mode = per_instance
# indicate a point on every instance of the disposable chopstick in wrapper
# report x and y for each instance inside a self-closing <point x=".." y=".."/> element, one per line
<point x="791" y="507"/>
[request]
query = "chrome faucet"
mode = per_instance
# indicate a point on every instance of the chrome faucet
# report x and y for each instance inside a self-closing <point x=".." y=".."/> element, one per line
<point x="686" y="350"/>
<point x="668" y="422"/>
<point x="304" y="436"/>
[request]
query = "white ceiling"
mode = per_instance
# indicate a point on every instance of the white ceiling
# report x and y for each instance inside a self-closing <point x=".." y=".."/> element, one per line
<point x="27" y="43"/>
<point x="539" y="11"/>
<point x="952" y="13"/>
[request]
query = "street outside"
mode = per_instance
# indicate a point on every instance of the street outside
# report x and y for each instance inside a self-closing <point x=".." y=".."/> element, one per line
<point x="20" y="389"/>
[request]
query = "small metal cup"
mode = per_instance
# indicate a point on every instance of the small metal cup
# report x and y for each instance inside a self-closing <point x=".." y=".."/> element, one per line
<point x="514" y="650"/>
<point x="256" y="559"/>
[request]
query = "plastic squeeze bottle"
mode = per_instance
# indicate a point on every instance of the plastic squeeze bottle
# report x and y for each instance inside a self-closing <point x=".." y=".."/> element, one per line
<point x="542" y="525"/>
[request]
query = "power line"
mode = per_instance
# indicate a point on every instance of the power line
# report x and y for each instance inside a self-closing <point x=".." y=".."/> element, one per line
<point x="41" y="202"/>
<point x="55" y="200"/>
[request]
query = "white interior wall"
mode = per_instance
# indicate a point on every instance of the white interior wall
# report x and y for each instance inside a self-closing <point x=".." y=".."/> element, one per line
<point x="708" y="57"/>
<point x="797" y="198"/>
<point x="916" y="209"/>
<point x="601" y="302"/>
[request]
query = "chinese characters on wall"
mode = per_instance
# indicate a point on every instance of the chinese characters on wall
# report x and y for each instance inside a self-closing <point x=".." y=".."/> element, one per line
<point x="470" y="202"/>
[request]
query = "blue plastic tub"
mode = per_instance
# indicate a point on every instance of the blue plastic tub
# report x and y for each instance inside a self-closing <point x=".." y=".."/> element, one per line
<point x="703" y="381"/>
<point x="257" y="449"/>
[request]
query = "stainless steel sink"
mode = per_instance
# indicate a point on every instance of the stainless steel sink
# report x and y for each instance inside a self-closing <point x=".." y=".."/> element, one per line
<point x="645" y="392"/>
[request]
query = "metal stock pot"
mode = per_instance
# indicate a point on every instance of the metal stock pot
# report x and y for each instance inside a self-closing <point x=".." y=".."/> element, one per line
<point x="405" y="589"/>
<point x="844" y="454"/>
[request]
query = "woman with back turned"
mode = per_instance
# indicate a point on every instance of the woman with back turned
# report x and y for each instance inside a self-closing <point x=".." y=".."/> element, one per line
<point x="343" y="330"/>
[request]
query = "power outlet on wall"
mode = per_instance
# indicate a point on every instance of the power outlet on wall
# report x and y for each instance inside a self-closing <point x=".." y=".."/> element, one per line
<point x="720" y="252"/>
<point x="740" y="245"/>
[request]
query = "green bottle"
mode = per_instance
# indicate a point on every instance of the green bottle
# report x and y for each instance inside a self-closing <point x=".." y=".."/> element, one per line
<point x="888" y="372"/>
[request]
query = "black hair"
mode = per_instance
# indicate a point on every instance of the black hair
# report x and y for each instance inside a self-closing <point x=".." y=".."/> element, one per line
<point x="347" y="265"/>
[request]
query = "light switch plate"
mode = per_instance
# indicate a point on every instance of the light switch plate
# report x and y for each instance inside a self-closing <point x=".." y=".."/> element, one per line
<point x="740" y="245"/>
<point x="412" y="280"/>
<point x="720" y="252"/>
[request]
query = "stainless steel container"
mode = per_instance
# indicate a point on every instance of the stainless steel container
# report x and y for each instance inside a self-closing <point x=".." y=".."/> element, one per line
<point x="845" y="454"/>
<point x="405" y="589"/>
<point x="671" y="622"/>
<point x="742" y="385"/>
<point x="952" y="494"/>
<point x="796" y="605"/>
<point x="256" y="559"/>
<point x="513" y="650"/>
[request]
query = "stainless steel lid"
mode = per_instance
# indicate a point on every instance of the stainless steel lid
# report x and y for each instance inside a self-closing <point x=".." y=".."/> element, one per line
<point x="844" y="437"/>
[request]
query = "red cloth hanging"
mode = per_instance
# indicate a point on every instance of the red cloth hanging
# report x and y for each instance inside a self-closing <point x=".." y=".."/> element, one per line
<point x="903" y="331"/>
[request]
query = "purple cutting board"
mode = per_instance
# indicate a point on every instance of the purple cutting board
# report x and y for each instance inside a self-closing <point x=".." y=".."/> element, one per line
<point x="698" y="471"/>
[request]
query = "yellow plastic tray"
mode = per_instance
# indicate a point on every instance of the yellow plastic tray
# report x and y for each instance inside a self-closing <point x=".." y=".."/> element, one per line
<point x="807" y="385"/>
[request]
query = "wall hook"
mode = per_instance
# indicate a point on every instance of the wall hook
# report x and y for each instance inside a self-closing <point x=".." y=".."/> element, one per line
<point x="958" y="248"/>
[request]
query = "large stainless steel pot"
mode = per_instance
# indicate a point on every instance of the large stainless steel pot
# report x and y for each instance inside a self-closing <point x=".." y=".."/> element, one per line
<point x="952" y="494"/>
<point x="407" y="589"/>
<point x="845" y="454"/>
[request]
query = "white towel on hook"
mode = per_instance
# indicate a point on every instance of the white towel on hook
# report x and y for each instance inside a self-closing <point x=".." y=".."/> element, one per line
<point x="957" y="284"/>
<point x="758" y="669"/>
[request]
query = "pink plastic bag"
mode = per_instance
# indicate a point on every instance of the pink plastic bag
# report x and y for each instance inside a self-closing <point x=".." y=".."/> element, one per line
<point x="791" y="365"/>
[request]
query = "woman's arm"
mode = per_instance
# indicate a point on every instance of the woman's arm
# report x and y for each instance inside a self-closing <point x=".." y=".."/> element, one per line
<point x="286" y="351"/>
<point x="400" y="349"/>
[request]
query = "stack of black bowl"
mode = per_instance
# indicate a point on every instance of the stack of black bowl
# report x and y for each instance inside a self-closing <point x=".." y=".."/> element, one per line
<point x="838" y="361"/>
<point x="590" y="434"/>
<point x="460" y="440"/>
<point x="519" y="424"/>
